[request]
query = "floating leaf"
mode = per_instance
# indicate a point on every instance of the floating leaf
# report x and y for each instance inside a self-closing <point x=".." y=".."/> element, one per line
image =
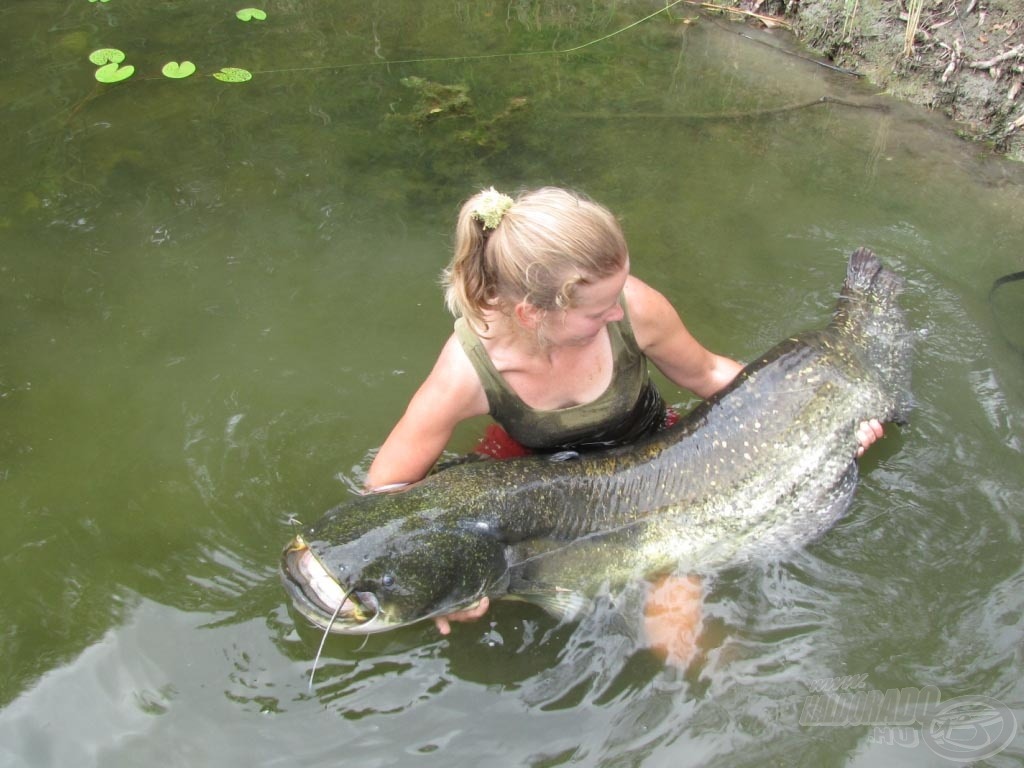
<point x="176" y="70"/>
<point x="248" y="14"/>
<point x="111" y="73"/>
<point x="103" y="56"/>
<point x="233" y="75"/>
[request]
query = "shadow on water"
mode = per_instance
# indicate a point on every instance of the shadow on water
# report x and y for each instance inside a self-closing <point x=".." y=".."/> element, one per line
<point x="215" y="299"/>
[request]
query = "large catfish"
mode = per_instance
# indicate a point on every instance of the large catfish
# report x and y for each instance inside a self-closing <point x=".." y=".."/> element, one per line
<point x="767" y="464"/>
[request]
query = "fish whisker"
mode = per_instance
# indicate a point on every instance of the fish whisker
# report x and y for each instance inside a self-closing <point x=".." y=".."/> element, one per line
<point x="323" y="639"/>
<point x="366" y="638"/>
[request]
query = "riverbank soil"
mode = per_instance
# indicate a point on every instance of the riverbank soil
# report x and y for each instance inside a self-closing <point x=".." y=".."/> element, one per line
<point x="964" y="58"/>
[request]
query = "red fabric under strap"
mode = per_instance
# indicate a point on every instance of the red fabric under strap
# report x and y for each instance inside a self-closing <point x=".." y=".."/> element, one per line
<point x="496" y="443"/>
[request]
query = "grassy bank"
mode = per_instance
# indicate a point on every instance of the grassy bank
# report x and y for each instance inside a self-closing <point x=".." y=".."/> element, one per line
<point x="962" y="57"/>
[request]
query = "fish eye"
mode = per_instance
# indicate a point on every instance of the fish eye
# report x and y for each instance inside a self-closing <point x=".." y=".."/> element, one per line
<point x="387" y="580"/>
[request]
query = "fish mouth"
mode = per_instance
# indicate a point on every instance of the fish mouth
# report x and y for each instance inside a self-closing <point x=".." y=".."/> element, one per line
<point x="319" y="597"/>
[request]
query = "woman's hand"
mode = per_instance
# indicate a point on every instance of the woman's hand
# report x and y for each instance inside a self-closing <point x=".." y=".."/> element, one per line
<point x="867" y="433"/>
<point x="470" y="614"/>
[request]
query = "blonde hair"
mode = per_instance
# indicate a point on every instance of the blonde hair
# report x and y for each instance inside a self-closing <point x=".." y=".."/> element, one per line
<point x="542" y="246"/>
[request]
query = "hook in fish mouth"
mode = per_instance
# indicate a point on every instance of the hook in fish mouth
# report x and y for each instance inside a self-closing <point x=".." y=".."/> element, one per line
<point x="319" y="596"/>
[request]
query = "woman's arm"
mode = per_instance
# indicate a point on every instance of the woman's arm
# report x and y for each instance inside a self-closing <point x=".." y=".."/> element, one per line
<point x="666" y="342"/>
<point x="670" y="346"/>
<point x="450" y="394"/>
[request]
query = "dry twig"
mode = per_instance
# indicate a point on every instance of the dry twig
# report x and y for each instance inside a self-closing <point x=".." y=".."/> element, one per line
<point x="989" y="63"/>
<point x="768" y="21"/>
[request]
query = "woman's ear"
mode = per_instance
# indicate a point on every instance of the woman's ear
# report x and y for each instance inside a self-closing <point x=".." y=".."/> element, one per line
<point x="528" y="315"/>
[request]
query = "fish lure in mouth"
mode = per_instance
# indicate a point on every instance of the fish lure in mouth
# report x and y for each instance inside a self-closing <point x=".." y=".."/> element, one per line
<point x="319" y="597"/>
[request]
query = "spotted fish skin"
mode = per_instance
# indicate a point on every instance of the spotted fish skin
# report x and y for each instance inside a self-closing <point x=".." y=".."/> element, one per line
<point x="764" y="466"/>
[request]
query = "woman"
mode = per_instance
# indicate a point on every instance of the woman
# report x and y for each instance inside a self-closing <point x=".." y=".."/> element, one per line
<point x="552" y="339"/>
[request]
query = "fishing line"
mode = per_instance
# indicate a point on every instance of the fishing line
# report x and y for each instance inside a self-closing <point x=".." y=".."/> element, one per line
<point x="112" y="58"/>
<point x="481" y="56"/>
<point x="556" y="52"/>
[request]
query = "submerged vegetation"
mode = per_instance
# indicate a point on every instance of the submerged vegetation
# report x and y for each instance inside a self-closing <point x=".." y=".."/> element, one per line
<point x="961" y="57"/>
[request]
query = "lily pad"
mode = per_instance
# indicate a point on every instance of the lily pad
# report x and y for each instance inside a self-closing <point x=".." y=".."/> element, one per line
<point x="112" y="73"/>
<point x="233" y="75"/>
<point x="177" y="70"/>
<point x="249" y="14"/>
<point x="102" y="56"/>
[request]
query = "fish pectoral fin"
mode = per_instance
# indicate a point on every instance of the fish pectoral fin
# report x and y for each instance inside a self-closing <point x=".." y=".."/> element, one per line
<point x="563" y="604"/>
<point x="561" y="456"/>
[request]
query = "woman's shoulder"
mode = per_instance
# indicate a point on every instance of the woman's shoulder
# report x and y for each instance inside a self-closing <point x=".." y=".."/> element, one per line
<point x="452" y="385"/>
<point x="656" y="322"/>
<point x="453" y="362"/>
<point x="646" y="304"/>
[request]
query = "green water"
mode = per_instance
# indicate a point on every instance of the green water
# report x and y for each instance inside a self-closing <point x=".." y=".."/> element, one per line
<point x="216" y="299"/>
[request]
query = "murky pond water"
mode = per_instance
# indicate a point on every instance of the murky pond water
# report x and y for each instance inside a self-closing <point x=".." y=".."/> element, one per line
<point x="216" y="298"/>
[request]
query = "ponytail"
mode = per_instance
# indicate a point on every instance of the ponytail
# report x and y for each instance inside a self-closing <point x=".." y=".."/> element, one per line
<point x="468" y="282"/>
<point x="536" y="248"/>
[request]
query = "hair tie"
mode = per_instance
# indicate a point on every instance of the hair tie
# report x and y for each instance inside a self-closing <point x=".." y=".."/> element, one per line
<point x="491" y="207"/>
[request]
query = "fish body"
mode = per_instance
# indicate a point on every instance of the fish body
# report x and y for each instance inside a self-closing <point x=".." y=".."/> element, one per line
<point x="765" y="465"/>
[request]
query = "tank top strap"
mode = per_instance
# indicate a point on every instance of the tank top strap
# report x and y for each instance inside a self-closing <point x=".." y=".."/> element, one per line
<point x="624" y="328"/>
<point x="497" y="389"/>
<point x="631" y="405"/>
<point x="490" y="378"/>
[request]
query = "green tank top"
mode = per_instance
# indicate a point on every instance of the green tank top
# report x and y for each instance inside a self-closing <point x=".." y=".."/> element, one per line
<point x="630" y="408"/>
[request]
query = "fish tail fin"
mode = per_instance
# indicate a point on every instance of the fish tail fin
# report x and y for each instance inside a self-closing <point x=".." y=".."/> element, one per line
<point x="868" y="314"/>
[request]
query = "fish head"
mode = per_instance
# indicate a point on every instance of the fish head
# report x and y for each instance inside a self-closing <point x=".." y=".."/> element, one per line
<point x="392" y="576"/>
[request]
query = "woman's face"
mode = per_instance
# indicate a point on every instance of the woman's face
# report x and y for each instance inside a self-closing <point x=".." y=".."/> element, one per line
<point x="594" y="305"/>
